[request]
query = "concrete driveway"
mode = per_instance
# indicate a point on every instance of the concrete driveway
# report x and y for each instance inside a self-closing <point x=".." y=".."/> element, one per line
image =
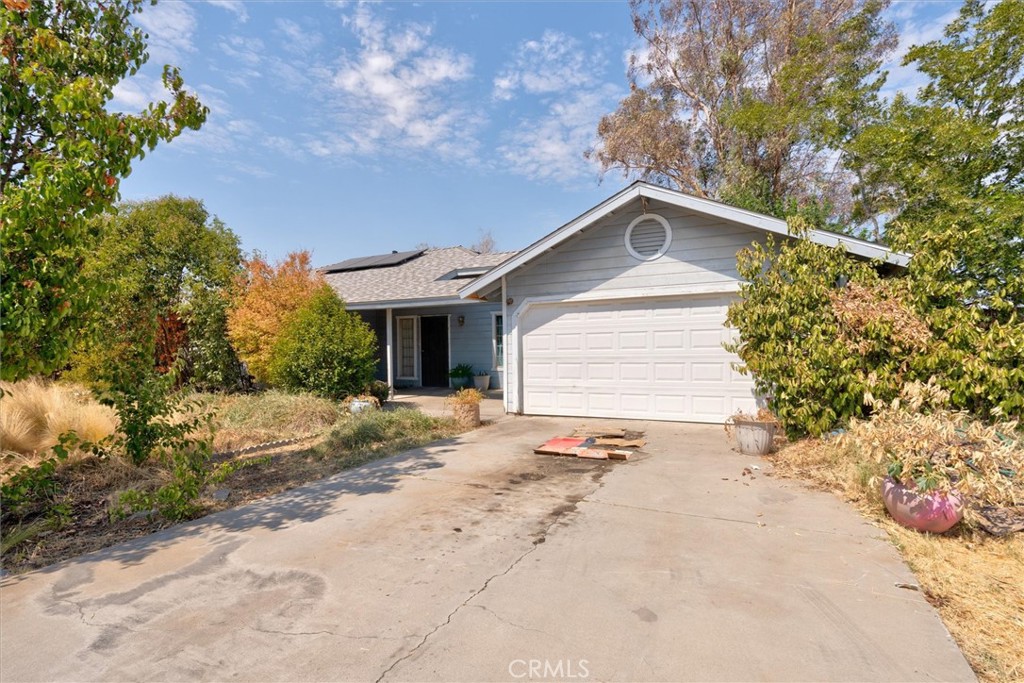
<point x="477" y="560"/>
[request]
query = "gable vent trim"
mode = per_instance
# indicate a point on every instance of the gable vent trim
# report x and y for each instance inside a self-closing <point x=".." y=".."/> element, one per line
<point x="648" y="237"/>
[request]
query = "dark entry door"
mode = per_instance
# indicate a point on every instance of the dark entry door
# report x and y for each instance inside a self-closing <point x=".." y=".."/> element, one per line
<point x="434" y="350"/>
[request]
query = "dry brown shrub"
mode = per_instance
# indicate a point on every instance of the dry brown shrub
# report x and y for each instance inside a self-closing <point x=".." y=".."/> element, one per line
<point x="917" y="439"/>
<point x="863" y="311"/>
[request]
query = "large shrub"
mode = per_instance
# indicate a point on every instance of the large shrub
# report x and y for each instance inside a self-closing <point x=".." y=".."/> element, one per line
<point x="265" y="297"/>
<point x="819" y="330"/>
<point x="324" y="349"/>
<point x="825" y="335"/>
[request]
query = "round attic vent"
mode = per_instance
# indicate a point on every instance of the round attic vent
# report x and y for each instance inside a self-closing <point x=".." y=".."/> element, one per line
<point x="648" y="237"/>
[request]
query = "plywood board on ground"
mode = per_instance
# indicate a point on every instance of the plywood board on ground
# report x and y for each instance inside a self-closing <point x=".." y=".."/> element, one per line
<point x="561" y="445"/>
<point x="619" y="442"/>
<point x="584" y="432"/>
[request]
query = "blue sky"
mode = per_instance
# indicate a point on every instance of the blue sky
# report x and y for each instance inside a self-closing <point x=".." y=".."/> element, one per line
<point x="354" y="129"/>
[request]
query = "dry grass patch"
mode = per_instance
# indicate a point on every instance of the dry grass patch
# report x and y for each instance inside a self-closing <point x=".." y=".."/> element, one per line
<point x="975" y="580"/>
<point x="977" y="584"/>
<point x="34" y="413"/>
<point x="249" y="419"/>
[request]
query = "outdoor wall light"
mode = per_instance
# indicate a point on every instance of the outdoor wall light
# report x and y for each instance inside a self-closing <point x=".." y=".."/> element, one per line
<point x="462" y="320"/>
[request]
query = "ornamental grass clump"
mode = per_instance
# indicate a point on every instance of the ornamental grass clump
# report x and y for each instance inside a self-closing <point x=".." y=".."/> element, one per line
<point x="34" y="413"/>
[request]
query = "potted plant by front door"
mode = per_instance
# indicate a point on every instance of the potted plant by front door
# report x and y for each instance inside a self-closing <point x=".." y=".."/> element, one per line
<point x="482" y="381"/>
<point x="461" y="376"/>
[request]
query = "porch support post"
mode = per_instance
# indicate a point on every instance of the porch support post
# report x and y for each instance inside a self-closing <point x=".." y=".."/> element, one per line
<point x="389" y="347"/>
<point x="506" y="381"/>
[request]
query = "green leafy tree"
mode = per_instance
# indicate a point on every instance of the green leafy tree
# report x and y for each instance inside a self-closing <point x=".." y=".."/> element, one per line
<point x="947" y="168"/>
<point x="324" y="349"/>
<point x="742" y="100"/>
<point x="63" y="155"/>
<point x="948" y="171"/>
<point x="164" y="260"/>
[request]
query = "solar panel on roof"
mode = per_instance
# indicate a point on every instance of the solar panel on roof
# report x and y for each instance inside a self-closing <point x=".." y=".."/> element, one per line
<point x="395" y="258"/>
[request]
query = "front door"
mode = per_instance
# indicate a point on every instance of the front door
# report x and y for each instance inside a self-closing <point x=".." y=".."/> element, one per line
<point x="434" y="350"/>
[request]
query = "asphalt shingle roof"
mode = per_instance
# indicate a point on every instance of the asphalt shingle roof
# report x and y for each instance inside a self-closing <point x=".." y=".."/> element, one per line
<point x="419" y="278"/>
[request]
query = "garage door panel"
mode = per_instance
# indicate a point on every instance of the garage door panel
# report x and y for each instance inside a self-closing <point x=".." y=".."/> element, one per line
<point x="673" y="407"/>
<point x="709" y="372"/>
<point x="537" y="343"/>
<point x="654" y="360"/>
<point x="569" y="342"/>
<point x="669" y="372"/>
<point x="541" y="401"/>
<point x="570" y="401"/>
<point x="569" y="371"/>
<point x="669" y="339"/>
<point x="634" y="372"/>
<point x="633" y="314"/>
<point x="600" y="341"/>
<point x="635" y="341"/>
<point x="705" y="340"/>
<point x="539" y="372"/>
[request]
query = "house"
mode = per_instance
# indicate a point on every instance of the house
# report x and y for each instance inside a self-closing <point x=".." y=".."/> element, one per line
<point x="621" y="311"/>
<point x="618" y="313"/>
<point x="424" y="328"/>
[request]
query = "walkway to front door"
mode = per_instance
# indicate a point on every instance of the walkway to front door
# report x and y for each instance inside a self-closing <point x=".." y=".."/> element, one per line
<point x="434" y="350"/>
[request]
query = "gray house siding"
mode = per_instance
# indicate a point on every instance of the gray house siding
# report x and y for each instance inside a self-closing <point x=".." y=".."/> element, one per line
<point x="472" y="342"/>
<point x="702" y="254"/>
<point x="469" y="343"/>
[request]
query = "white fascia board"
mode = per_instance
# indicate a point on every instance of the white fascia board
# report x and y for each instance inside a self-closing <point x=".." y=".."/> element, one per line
<point x="411" y="303"/>
<point x="778" y="226"/>
<point x="706" y="207"/>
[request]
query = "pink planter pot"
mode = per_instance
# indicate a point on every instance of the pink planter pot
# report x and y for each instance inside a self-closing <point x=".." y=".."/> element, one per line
<point x="935" y="511"/>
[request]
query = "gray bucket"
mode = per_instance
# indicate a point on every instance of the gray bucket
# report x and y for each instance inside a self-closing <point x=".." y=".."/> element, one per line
<point x="755" y="438"/>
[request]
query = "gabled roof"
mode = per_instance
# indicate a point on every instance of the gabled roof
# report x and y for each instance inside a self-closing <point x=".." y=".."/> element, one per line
<point x="433" y="276"/>
<point x="707" y="207"/>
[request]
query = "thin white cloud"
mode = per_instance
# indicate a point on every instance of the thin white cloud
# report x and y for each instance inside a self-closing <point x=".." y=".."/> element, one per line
<point x="134" y="94"/>
<point x="550" y="147"/>
<point x="237" y="7"/>
<point x="223" y="132"/>
<point x="555" y="63"/>
<point x="397" y="90"/>
<point x="298" y="38"/>
<point x="916" y="28"/>
<point x="170" y="26"/>
<point x="565" y="81"/>
<point x="246" y="49"/>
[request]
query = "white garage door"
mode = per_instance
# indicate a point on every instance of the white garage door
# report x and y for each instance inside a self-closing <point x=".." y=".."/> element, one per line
<point x="659" y="360"/>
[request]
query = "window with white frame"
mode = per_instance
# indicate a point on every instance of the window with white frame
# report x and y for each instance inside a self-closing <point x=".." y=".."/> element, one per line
<point x="498" y="340"/>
